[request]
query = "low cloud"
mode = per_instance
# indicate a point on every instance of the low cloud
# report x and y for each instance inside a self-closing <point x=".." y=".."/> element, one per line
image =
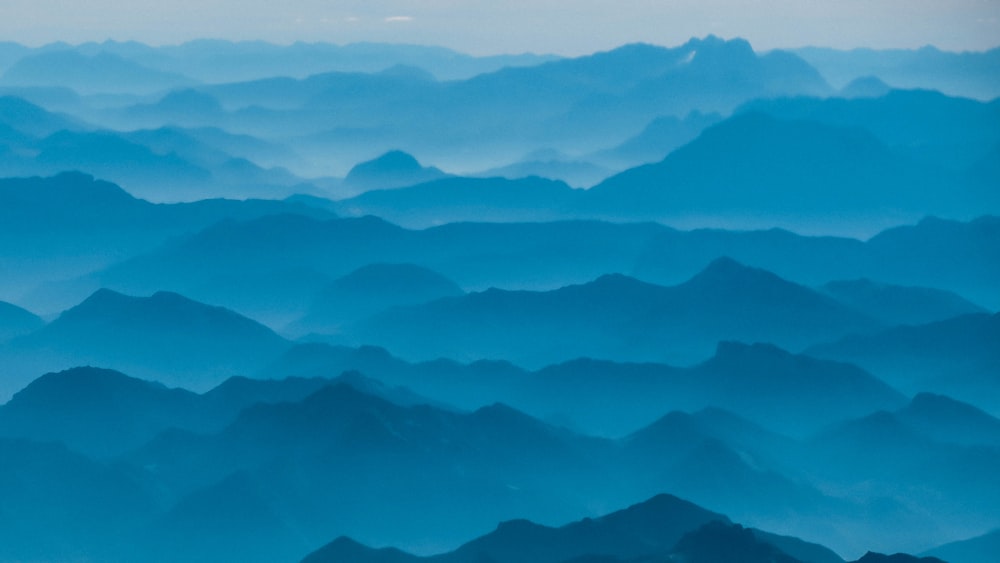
<point x="395" y="19"/>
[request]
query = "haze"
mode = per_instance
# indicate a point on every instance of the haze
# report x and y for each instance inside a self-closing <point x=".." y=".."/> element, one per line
<point x="548" y="26"/>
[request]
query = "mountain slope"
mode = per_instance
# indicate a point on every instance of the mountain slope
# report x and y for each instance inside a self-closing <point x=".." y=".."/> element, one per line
<point x="616" y="317"/>
<point x="165" y="337"/>
<point x="753" y="165"/>
<point x="15" y="321"/>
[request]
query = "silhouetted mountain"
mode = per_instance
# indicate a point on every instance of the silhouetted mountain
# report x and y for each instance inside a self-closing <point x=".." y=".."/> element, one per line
<point x="32" y="120"/>
<point x="970" y="74"/>
<point x="944" y="477"/>
<point x="658" y="139"/>
<point x="370" y="290"/>
<point x="394" y="169"/>
<point x="648" y="528"/>
<point x="98" y="412"/>
<point x="717" y="542"/>
<point x="659" y="529"/>
<point x="777" y="172"/>
<point x="578" y="173"/>
<point x="80" y="224"/>
<point x="328" y="456"/>
<point x="616" y="317"/>
<point x="214" y="60"/>
<point x="15" y="321"/>
<point x="770" y="386"/>
<point x="897" y="305"/>
<point x="924" y="125"/>
<point x="59" y="505"/>
<point x="957" y="357"/>
<point x="980" y="549"/>
<point x="165" y="337"/>
<point x="872" y="557"/>
<point x="177" y="107"/>
<point x="935" y="253"/>
<point x="465" y="199"/>
<point x="100" y="73"/>
<point x="865" y="87"/>
<point x="947" y="420"/>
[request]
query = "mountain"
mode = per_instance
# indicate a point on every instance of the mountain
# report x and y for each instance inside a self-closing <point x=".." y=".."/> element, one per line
<point x="947" y="420"/>
<point x="215" y="60"/>
<point x="332" y="456"/>
<point x="872" y="557"/>
<point x="24" y="117"/>
<point x="658" y="139"/>
<point x="616" y="317"/>
<point x="166" y="337"/>
<point x="394" y="169"/>
<point x="372" y="289"/>
<point x="100" y="73"/>
<point x="780" y="172"/>
<point x="865" y="87"/>
<point x="944" y="477"/>
<point x="958" y="256"/>
<point x="898" y="305"/>
<point x="98" y="504"/>
<point x="15" y="321"/>
<point x="647" y="528"/>
<point x="97" y="412"/>
<point x="980" y="549"/>
<point x="104" y="414"/>
<point x="460" y="199"/>
<point x="957" y="357"/>
<point x="578" y="173"/>
<point x="788" y="392"/>
<point x="924" y="125"/>
<point x="82" y="224"/>
<point x="969" y="74"/>
<point x="661" y="527"/>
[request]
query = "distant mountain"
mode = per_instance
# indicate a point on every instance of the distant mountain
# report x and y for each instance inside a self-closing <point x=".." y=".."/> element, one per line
<point x="460" y="199"/>
<point x="616" y="317"/>
<point x="99" y="73"/>
<point x="968" y="74"/>
<point x="658" y="139"/>
<point x="946" y="477"/>
<point x="105" y="414"/>
<point x="947" y="420"/>
<point x="980" y="549"/>
<point x="394" y="169"/>
<point x="22" y="116"/>
<point x="177" y="107"/>
<point x="214" y="60"/>
<point x="787" y="392"/>
<point x="577" y="173"/>
<point x="165" y="337"/>
<point x="344" y="445"/>
<point x="97" y="412"/>
<point x="780" y="173"/>
<point x="872" y="557"/>
<point x="81" y="224"/>
<point x="924" y="125"/>
<point x="957" y="357"/>
<point x="372" y="289"/>
<point x="865" y="87"/>
<point x="15" y="321"/>
<point x="935" y="253"/>
<point x="897" y="305"/>
<point x="661" y="527"/>
<point x="98" y="504"/>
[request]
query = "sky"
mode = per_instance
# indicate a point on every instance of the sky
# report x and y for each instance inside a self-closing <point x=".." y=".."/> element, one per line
<point x="565" y="27"/>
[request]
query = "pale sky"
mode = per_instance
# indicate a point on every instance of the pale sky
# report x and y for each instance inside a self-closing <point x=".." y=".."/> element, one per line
<point x="567" y="27"/>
